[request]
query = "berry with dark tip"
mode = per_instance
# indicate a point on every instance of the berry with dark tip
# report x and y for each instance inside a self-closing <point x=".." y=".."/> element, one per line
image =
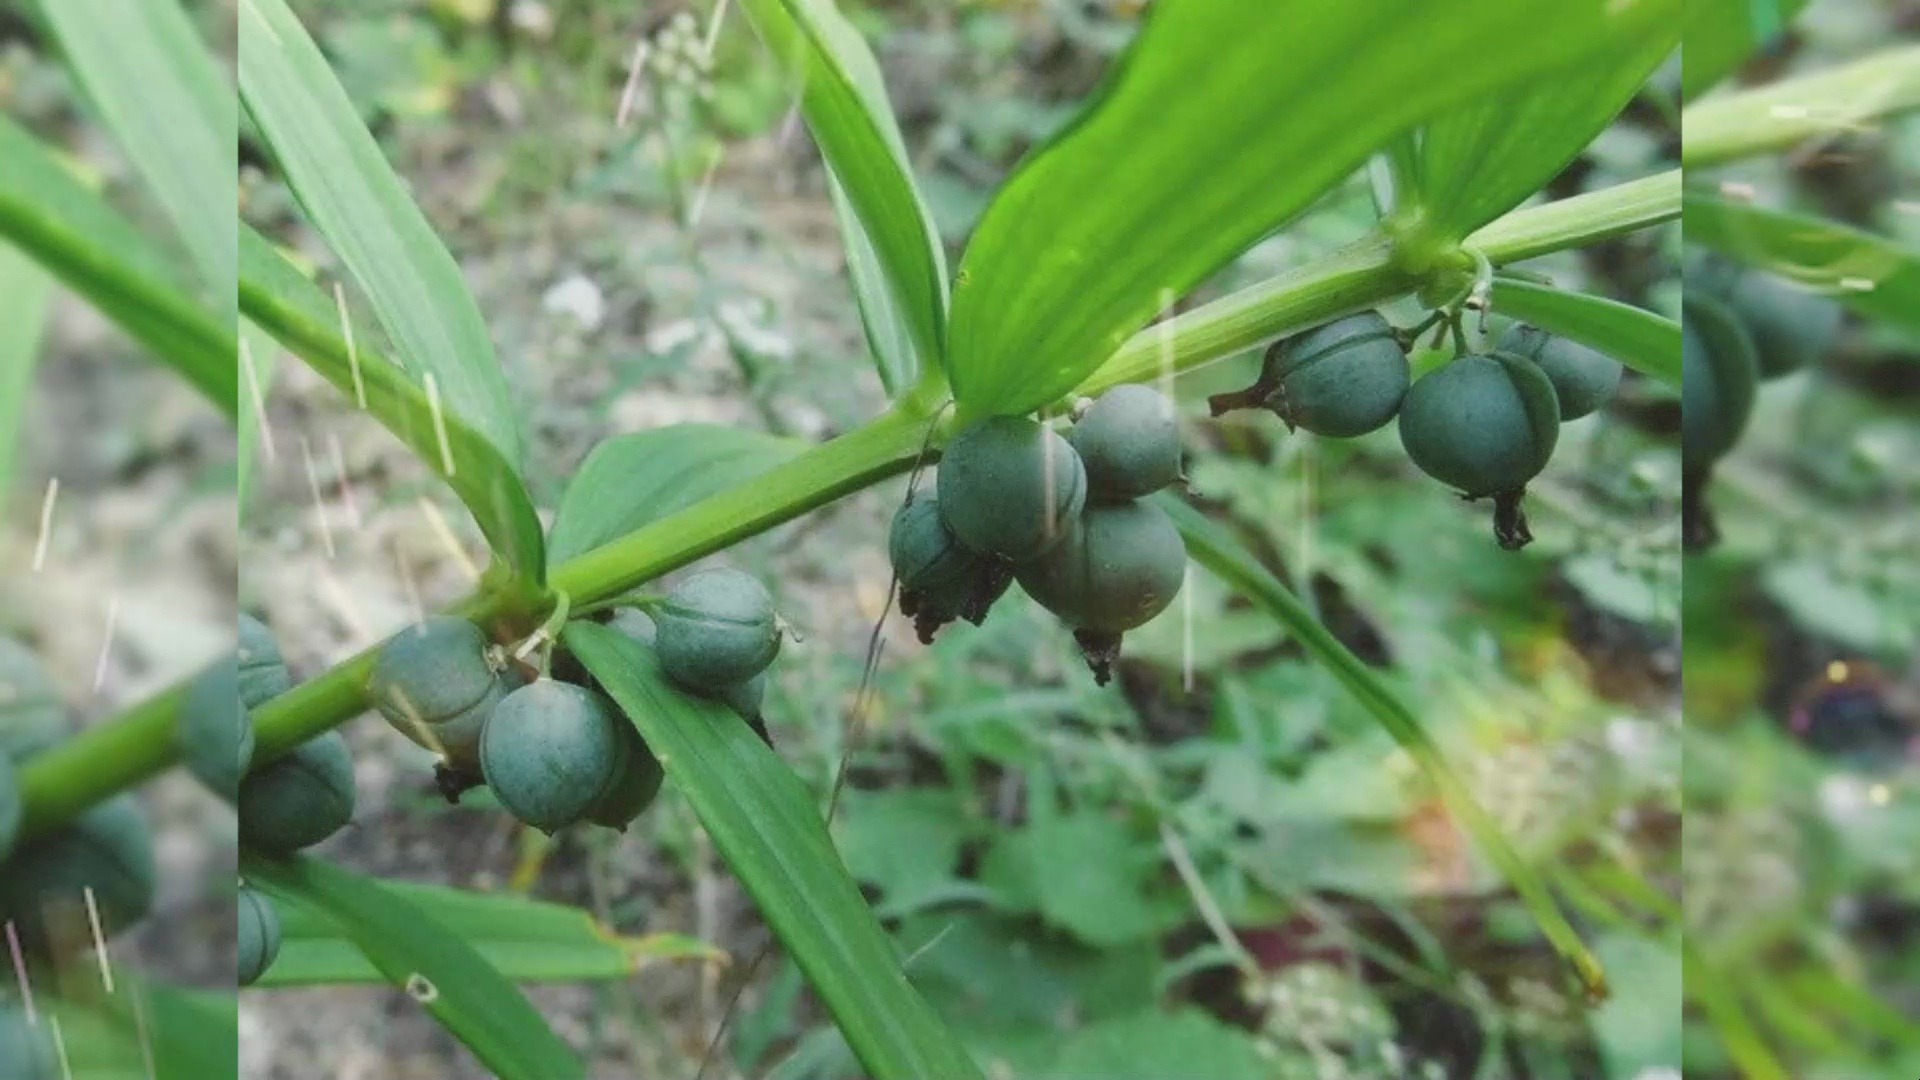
<point x="940" y="579"/>
<point x="1486" y="425"/>
<point x="717" y="629"/>
<point x="1583" y="379"/>
<point x="299" y="798"/>
<point x="1719" y="379"/>
<point x="1791" y="326"/>
<point x="1129" y="441"/>
<point x="107" y="850"/>
<point x="1010" y="488"/>
<point x="1122" y="565"/>
<point x="257" y="933"/>
<point x="1342" y="380"/>
<point x="553" y="750"/>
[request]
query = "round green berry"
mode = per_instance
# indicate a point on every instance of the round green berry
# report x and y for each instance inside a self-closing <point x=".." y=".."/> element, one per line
<point x="1719" y="378"/>
<point x="299" y="798"/>
<point x="1121" y="565"/>
<point x="32" y="715"/>
<point x="1129" y="441"/>
<point x="1341" y="380"/>
<point x="263" y="671"/>
<point x="1583" y="379"/>
<point x="434" y="683"/>
<point x="215" y="732"/>
<point x="940" y="579"/>
<point x="257" y="932"/>
<point x="1486" y="425"/>
<point x="636" y="786"/>
<point x="716" y="629"/>
<point x="1010" y="488"/>
<point x="553" y="750"/>
<point x="106" y="850"/>
<point x="1790" y="326"/>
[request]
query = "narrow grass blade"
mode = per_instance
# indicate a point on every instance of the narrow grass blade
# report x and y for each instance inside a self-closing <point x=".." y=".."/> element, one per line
<point x="25" y="290"/>
<point x="434" y="965"/>
<point x="1214" y="548"/>
<point x="772" y="836"/>
<point x="1634" y="336"/>
<point x="1783" y="114"/>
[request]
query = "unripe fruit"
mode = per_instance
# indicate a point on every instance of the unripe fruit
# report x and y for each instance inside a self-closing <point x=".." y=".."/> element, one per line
<point x="1790" y="326"/>
<point x="26" y="1049"/>
<point x="263" y="671"/>
<point x="715" y="630"/>
<point x="9" y="807"/>
<point x="1583" y="379"/>
<point x="553" y="750"/>
<point x="257" y="931"/>
<point x="299" y="798"/>
<point x="32" y="716"/>
<point x="637" y="785"/>
<point x="1122" y="565"/>
<point x="1344" y="379"/>
<point x="940" y="579"/>
<point x="1485" y="424"/>
<point x="434" y="684"/>
<point x="1010" y="488"/>
<point x="1129" y="441"/>
<point x="743" y="698"/>
<point x="1719" y="378"/>
<point x="106" y="849"/>
<point x="215" y="732"/>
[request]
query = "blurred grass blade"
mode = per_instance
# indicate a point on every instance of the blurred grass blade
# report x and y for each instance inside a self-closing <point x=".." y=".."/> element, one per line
<point x="157" y="87"/>
<point x="259" y="357"/>
<point x="1871" y="274"/>
<point x="49" y="215"/>
<point x="1221" y="122"/>
<point x="526" y="940"/>
<point x="1214" y="548"/>
<point x="1783" y="114"/>
<point x="471" y="999"/>
<point x="1722" y="34"/>
<point x="631" y="481"/>
<point x="25" y="291"/>
<point x="352" y="196"/>
<point x="889" y="332"/>
<point x="1481" y="160"/>
<point x="145" y="1031"/>
<point x="772" y="836"/>
<point x="1634" y="336"/>
<point x="285" y="304"/>
<point x="845" y="104"/>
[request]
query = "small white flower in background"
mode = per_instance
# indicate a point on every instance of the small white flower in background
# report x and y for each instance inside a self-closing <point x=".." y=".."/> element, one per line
<point x="579" y="298"/>
<point x="1658" y="1072"/>
<point x="1844" y="799"/>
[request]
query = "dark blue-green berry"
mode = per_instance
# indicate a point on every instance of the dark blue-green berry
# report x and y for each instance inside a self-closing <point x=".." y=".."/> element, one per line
<point x="1342" y="380"/>
<point x="1010" y="488"/>
<point x="26" y="1047"/>
<point x="716" y="629"/>
<point x="1129" y="441"/>
<point x="257" y="933"/>
<point x="1791" y="326"/>
<point x="637" y="785"/>
<point x="263" y="670"/>
<point x="215" y="731"/>
<point x="434" y="683"/>
<point x="1486" y="425"/>
<point x="1583" y="379"/>
<point x="941" y="579"/>
<point x="1122" y="565"/>
<point x="108" y="850"/>
<point x="32" y="715"/>
<point x="1719" y="379"/>
<point x="299" y="798"/>
<point x="10" y="808"/>
<point x="551" y="751"/>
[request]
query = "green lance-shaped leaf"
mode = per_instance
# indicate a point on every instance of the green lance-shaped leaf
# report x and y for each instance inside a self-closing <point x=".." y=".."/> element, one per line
<point x="280" y="300"/>
<point x="631" y="481"/>
<point x="526" y="940"/>
<point x="24" y="292"/>
<point x="1214" y="548"/>
<point x="1221" y="123"/>
<point x="51" y="216"/>
<point x="352" y="196"/>
<point x="259" y="356"/>
<point x="1721" y="34"/>
<point x="434" y="965"/>
<point x="772" y="836"/>
<point x="1782" y="115"/>
<point x="1876" y="277"/>
<point x="1638" y="338"/>
<point x="159" y="90"/>
<point x="899" y="268"/>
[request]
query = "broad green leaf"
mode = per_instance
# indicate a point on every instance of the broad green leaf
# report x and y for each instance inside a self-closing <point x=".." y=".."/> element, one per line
<point x="1157" y="1046"/>
<point x="1481" y="160"/>
<point x="1216" y="549"/>
<point x="1722" y="34"/>
<point x="634" y="480"/>
<point x="770" y="832"/>
<point x="526" y="940"/>
<point x="25" y="290"/>
<point x="845" y="104"/>
<point x="1221" y="123"/>
<point x="69" y="230"/>
<point x="470" y="998"/>
<point x="889" y="333"/>
<point x="276" y="297"/>
<point x="1871" y="274"/>
<point x="352" y="196"/>
<point x="158" y="89"/>
<point x="1638" y="338"/>
<point x="166" y="1034"/>
<point x="1784" y="114"/>
<point x="259" y="356"/>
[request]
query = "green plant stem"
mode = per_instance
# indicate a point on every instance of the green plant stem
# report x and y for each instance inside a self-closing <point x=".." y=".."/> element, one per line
<point x="122" y="752"/>
<point x="1777" y="117"/>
